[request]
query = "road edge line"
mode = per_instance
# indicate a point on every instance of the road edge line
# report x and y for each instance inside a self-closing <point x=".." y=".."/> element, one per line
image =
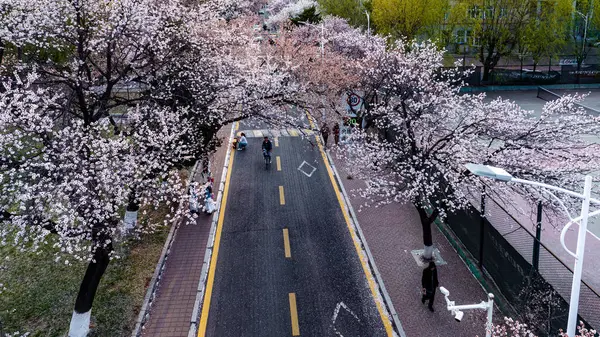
<point x="195" y="321"/>
<point x="159" y="269"/>
<point x="349" y="211"/>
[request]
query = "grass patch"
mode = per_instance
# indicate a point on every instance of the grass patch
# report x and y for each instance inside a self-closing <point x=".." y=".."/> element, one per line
<point x="41" y="293"/>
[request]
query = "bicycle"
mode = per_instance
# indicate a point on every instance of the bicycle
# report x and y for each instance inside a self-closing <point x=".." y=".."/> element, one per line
<point x="267" y="157"/>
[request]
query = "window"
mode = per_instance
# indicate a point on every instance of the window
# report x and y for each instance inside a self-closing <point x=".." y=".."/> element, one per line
<point x="474" y="12"/>
<point x="460" y="36"/>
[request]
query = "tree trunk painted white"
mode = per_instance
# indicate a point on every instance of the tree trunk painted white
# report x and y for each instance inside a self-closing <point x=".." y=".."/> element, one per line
<point x="428" y="252"/>
<point x="130" y="220"/>
<point x="80" y="324"/>
<point x="80" y="321"/>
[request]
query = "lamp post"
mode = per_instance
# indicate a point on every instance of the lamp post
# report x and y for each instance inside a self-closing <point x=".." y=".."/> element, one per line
<point x="502" y="175"/>
<point x="368" y="23"/>
<point x="585" y="19"/>
<point x="322" y="34"/>
<point x="458" y="314"/>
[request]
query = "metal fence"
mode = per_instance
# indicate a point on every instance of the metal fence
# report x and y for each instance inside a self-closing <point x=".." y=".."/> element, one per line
<point x="542" y="75"/>
<point x="504" y="248"/>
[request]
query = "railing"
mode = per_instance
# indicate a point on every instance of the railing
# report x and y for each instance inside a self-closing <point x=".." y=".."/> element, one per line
<point x="504" y="249"/>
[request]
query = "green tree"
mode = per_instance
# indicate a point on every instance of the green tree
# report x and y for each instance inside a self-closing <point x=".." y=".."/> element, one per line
<point x="352" y="10"/>
<point x="308" y="15"/>
<point x="498" y="26"/>
<point x="408" y="18"/>
<point x="583" y="32"/>
<point x="547" y="35"/>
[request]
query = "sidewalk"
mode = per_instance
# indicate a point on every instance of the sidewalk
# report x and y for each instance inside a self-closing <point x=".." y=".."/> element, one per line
<point x="171" y="310"/>
<point x="392" y="232"/>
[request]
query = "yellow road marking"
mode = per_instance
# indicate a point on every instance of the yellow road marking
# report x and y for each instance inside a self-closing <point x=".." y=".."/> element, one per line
<point x="293" y="132"/>
<point x="213" y="262"/>
<point x="276" y="141"/>
<point x="237" y="125"/>
<point x="371" y="280"/>
<point x="281" y="196"/>
<point x="278" y="160"/>
<point x="286" y="243"/>
<point x="294" y="315"/>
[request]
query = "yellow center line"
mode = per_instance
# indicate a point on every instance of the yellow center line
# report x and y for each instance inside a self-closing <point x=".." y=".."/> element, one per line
<point x="294" y="315"/>
<point x="237" y="125"/>
<point x="278" y="163"/>
<point x="213" y="262"/>
<point x="281" y="196"/>
<point x="276" y="141"/>
<point x="370" y="279"/>
<point x="286" y="243"/>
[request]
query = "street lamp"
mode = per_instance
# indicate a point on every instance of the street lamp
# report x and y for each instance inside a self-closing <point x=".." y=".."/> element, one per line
<point x="458" y="314"/>
<point x="502" y="175"/>
<point x="322" y="34"/>
<point x="585" y="18"/>
<point x="368" y="23"/>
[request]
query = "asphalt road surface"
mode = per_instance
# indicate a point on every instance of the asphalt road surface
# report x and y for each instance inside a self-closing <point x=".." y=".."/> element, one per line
<point x="255" y="284"/>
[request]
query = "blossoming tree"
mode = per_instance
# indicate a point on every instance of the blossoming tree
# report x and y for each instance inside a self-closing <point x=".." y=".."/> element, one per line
<point x="68" y="167"/>
<point x="431" y="130"/>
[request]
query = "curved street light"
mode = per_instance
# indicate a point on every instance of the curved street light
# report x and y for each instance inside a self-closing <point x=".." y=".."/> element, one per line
<point x="500" y="174"/>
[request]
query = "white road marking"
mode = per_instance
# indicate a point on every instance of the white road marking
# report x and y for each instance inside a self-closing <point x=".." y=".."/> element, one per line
<point x="336" y="313"/>
<point x="307" y="164"/>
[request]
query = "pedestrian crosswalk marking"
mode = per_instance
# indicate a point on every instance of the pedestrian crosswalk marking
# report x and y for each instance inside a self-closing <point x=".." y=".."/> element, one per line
<point x="274" y="133"/>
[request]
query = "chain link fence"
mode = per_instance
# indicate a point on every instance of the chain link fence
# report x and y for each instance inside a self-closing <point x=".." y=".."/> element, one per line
<point x="505" y="252"/>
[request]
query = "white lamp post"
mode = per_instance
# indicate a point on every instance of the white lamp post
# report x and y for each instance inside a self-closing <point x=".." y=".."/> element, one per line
<point x="322" y="34"/>
<point x="458" y="314"/>
<point x="500" y="174"/>
<point x="585" y="18"/>
<point x="368" y="23"/>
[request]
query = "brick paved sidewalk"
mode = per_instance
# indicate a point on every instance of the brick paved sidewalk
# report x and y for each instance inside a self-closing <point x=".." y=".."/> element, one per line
<point x="392" y="232"/>
<point x="171" y="311"/>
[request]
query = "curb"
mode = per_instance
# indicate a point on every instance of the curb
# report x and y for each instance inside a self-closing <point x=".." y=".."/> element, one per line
<point x="211" y="240"/>
<point x="379" y="280"/>
<point x="158" y="271"/>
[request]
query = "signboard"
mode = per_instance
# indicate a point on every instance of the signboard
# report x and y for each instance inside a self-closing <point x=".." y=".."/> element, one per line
<point x="352" y="102"/>
<point x="569" y="62"/>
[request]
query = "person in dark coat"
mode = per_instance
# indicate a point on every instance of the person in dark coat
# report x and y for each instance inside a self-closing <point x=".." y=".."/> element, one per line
<point x="336" y="133"/>
<point x="325" y="133"/>
<point x="429" y="282"/>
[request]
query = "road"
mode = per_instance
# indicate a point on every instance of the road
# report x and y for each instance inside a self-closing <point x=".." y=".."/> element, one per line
<point x="286" y="263"/>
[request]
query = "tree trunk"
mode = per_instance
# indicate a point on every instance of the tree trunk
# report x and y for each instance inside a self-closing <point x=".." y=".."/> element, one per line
<point x="486" y="73"/>
<point x="80" y="321"/>
<point x="131" y="212"/>
<point x="426" y="221"/>
<point x="1" y="52"/>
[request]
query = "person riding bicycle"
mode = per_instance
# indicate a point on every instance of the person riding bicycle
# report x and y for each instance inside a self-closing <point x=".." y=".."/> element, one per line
<point x="267" y="147"/>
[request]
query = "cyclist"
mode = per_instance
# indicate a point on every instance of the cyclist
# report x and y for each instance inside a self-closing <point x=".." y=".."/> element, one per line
<point x="267" y="147"/>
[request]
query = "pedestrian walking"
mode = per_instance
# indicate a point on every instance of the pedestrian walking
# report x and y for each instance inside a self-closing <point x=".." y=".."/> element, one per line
<point x="429" y="282"/>
<point x="325" y="133"/>
<point x="336" y="133"/>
